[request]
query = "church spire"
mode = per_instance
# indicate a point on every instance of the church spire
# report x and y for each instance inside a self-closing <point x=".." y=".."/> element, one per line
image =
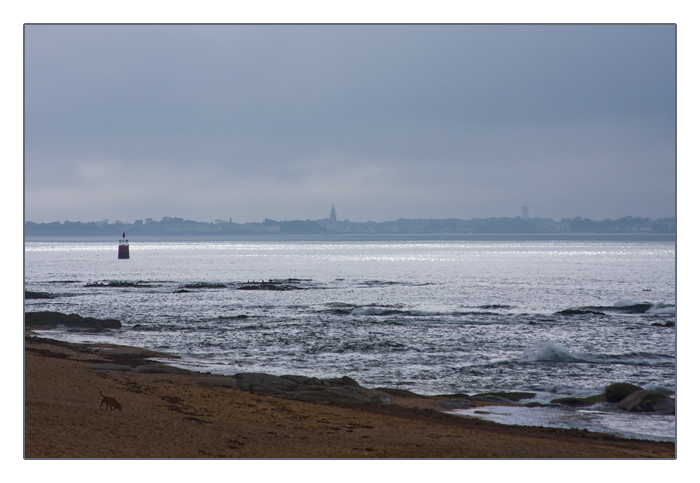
<point x="333" y="217"/>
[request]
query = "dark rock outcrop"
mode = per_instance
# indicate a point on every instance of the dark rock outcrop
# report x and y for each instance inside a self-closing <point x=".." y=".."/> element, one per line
<point x="400" y="393"/>
<point x="118" y="284"/>
<point x="338" y="381"/>
<point x="29" y="295"/>
<point x="457" y="403"/>
<point x="535" y="404"/>
<point x="200" y="285"/>
<point x="343" y="390"/>
<point x="614" y="393"/>
<point x="618" y="391"/>
<point x="337" y="395"/>
<point x="54" y="319"/>
<point x="627" y="396"/>
<point x="648" y="401"/>
<point x="265" y="384"/>
<point x="269" y="286"/>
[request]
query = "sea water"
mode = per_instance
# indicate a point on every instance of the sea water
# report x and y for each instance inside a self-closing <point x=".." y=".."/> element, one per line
<point x="432" y="317"/>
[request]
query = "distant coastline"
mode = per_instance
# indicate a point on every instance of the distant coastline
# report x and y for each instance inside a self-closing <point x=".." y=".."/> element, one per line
<point x="517" y="228"/>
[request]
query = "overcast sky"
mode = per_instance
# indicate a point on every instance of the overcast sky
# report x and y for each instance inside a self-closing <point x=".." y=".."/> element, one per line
<point x="127" y="122"/>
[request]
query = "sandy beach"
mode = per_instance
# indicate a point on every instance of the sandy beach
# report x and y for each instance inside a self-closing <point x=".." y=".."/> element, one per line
<point x="170" y="415"/>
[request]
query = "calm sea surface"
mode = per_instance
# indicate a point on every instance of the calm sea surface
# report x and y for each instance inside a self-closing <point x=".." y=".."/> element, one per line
<point x="433" y="317"/>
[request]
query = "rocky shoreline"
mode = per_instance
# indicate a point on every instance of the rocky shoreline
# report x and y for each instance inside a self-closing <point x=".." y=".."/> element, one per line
<point x="344" y="390"/>
<point x="169" y="412"/>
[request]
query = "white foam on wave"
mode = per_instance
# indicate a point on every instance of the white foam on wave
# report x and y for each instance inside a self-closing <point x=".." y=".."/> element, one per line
<point x="548" y="351"/>
<point x="660" y="308"/>
<point x="627" y="303"/>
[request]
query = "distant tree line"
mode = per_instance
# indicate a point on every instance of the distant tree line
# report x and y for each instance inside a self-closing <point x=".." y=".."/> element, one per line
<point x="504" y="225"/>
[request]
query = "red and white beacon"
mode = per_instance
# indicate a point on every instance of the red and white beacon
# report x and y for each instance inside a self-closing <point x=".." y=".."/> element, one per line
<point x="123" y="247"/>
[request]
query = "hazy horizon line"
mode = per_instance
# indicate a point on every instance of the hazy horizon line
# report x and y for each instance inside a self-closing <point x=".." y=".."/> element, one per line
<point x="219" y="220"/>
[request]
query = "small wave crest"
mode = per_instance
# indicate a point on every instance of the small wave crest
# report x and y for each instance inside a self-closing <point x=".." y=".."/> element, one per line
<point x="548" y="351"/>
<point x="660" y="308"/>
<point x="636" y="307"/>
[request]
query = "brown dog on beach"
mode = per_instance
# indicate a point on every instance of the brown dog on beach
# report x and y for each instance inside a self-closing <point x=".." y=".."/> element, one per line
<point x="109" y="402"/>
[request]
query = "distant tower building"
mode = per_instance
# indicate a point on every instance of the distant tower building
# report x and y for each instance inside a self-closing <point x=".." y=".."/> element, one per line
<point x="525" y="210"/>
<point x="333" y="218"/>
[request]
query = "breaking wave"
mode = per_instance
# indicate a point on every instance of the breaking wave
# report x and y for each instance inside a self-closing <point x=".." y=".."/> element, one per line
<point x="636" y="307"/>
<point x="548" y="351"/>
<point x="662" y="309"/>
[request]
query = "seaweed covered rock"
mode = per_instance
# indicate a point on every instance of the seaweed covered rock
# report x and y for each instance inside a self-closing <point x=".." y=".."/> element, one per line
<point x="342" y="390"/>
<point x="264" y="384"/>
<point x="339" y="381"/>
<point x="613" y="393"/>
<point x="618" y="391"/>
<point x="54" y="319"/>
<point x="337" y="395"/>
<point x="648" y="401"/>
<point x="390" y="391"/>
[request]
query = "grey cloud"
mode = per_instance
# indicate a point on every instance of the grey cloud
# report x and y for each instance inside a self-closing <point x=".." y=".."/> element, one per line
<point x="396" y="121"/>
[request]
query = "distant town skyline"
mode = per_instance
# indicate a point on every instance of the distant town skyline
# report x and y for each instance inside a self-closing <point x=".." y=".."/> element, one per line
<point x="333" y="217"/>
<point x="384" y="121"/>
<point x="170" y="226"/>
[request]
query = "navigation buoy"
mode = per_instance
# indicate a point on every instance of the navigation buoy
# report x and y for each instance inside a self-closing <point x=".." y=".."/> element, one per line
<point x="123" y="247"/>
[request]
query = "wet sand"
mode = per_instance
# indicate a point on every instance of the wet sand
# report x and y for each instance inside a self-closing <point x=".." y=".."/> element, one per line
<point x="172" y="416"/>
